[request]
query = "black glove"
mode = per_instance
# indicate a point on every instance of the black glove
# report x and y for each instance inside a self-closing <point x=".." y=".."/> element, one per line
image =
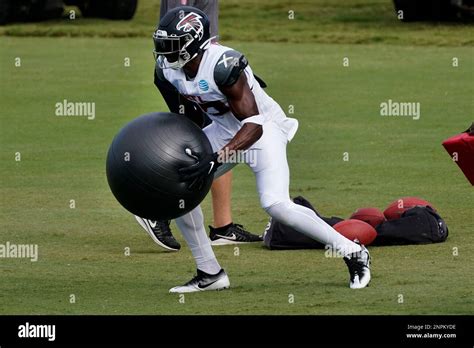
<point x="206" y="165"/>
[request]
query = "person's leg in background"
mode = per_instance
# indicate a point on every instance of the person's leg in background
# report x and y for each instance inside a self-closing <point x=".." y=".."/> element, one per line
<point x="221" y="191"/>
<point x="224" y="230"/>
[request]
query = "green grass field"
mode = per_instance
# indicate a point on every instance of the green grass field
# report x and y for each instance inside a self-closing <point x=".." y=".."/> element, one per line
<point x="81" y="250"/>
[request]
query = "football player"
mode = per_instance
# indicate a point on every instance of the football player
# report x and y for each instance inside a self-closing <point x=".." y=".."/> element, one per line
<point x="245" y="121"/>
<point x="224" y="231"/>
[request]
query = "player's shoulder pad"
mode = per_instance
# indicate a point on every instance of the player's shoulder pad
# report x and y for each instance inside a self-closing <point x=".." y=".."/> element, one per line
<point x="229" y="67"/>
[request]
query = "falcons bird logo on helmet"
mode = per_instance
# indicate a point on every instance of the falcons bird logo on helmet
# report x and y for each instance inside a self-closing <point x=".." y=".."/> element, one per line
<point x="192" y="21"/>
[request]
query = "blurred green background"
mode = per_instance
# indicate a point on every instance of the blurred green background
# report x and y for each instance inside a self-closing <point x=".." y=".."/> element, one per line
<point x="323" y="21"/>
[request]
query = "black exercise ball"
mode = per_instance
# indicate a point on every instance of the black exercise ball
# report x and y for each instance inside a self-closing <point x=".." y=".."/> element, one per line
<point x="143" y="162"/>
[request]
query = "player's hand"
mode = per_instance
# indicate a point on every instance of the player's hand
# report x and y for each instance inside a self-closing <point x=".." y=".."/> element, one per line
<point x="205" y="165"/>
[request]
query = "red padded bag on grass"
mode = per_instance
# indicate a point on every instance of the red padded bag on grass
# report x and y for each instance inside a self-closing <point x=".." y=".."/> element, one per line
<point x="461" y="148"/>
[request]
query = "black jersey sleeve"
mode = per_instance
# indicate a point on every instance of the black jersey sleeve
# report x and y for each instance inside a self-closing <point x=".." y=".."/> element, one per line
<point x="177" y="103"/>
<point x="159" y="76"/>
<point x="229" y="67"/>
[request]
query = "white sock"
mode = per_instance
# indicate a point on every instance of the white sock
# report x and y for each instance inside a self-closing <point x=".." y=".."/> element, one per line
<point x="191" y="226"/>
<point x="305" y="221"/>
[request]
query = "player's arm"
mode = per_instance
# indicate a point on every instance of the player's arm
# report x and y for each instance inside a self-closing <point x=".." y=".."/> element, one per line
<point x="175" y="100"/>
<point x="242" y="104"/>
<point x="168" y="91"/>
<point x="230" y="77"/>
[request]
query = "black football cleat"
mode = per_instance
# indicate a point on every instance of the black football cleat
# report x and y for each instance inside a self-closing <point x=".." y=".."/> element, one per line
<point x="204" y="282"/>
<point x="359" y="268"/>
<point x="234" y="234"/>
<point x="160" y="232"/>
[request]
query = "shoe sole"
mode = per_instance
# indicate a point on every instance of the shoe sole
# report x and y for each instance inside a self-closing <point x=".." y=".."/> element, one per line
<point x="223" y="241"/>
<point x="146" y="226"/>
<point x="219" y="285"/>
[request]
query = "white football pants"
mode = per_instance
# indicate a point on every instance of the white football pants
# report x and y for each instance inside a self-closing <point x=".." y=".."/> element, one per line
<point x="267" y="159"/>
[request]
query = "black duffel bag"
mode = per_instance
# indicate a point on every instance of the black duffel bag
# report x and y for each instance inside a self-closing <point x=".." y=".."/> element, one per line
<point x="418" y="225"/>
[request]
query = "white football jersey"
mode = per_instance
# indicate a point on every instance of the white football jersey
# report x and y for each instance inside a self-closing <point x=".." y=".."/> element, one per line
<point x="203" y="90"/>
